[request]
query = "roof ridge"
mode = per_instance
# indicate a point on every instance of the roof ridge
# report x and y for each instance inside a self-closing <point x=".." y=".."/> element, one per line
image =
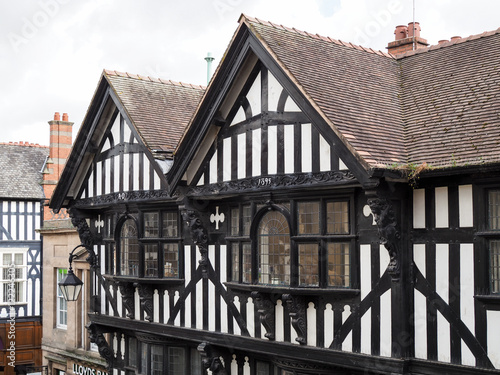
<point x="152" y="79"/>
<point x="21" y="143"/>
<point x="448" y="43"/>
<point x="326" y="39"/>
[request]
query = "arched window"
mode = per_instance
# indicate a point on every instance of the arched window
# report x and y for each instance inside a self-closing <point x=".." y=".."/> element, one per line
<point x="129" y="249"/>
<point x="274" y="249"/>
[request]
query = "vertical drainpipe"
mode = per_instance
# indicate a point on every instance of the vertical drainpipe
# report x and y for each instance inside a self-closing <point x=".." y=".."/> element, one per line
<point x="209" y="60"/>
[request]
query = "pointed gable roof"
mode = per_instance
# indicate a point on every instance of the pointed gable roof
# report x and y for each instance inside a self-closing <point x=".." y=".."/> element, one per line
<point x="356" y="90"/>
<point x="436" y="106"/>
<point x="158" y="110"/>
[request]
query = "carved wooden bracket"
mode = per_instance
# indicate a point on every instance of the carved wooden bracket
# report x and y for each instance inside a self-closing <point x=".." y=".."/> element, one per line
<point x="199" y="236"/>
<point x="265" y="308"/>
<point x="211" y="359"/>
<point x="97" y="337"/>
<point x="297" y="312"/>
<point x="127" y="291"/>
<point x="388" y="231"/>
<point x="146" y="298"/>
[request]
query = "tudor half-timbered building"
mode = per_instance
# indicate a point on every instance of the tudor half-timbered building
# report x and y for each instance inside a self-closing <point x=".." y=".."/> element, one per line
<point x="321" y="209"/>
<point x="22" y="198"/>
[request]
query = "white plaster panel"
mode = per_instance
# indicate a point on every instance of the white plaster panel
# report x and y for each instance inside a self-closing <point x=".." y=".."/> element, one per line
<point x="274" y="90"/>
<point x="291" y="106"/>
<point x="493" y="324"/>
<point x="442" y="288"/>
<point x="254" y="96"/>
<point x="419" y="208"/>
<point x="366" y="332"/>
<point x="441" y="198"/>
<point x="199" y="296"/>
<point x="226" y="163"/>
<point x="116" y="177"/>
<point x="236" y="327"/>
<point x="342" y="166"/>
<point x="126" y="132"/>
<point x="156" y="181"/>
<point x="115" y="130"/>
<point x="366" y="271"/>
<point x="272" y="149"/>
<point x="289" y="152"/>
<point x="106" y="146"/>
<point x="251" y="319"/>
<point x="256" y="152"/>
<point x="306" y="130"/>
<point x="467" y="297"/>
<point x="146" y="173"/>
<point x="280" y="333"/>
<point x="328" y="325"/>
<point x="242" y="155"/>
<point x="311" y="324"/>
<point x="385" y="324"/>
<point x="136" y="175"/>
<point x="107" y="181"/>
<point x="213" y="168"/>
<point x="466" y="217"/>
<point x="420" y="315"/>
<point x="239" y="117"/>
<point x="187" y="275"/>
<point x="324" y="155"/>
<point x="126" y="170"/>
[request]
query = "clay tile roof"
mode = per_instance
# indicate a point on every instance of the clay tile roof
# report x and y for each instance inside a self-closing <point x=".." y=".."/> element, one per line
<point x="159" y="109"/>
<point x="356" y="90"/>
<point x="20" y="170"/>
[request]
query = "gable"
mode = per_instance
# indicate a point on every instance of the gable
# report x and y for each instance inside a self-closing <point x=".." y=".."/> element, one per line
<point x="122" y="163"/>
<point x="266" y="135"/>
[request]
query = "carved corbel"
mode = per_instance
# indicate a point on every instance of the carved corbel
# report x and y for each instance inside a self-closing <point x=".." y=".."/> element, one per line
<point x="199" y="236"/>
<point x="127" y="291"/>
<point x="388" y="231"/>
<point x="97" y="337"/>
<point x="297" y="312"/>
<point x="86" y="237"/>
<point x="146" y="298"/>
<point x="211" y="359"/>
<point x="265" y="308"/>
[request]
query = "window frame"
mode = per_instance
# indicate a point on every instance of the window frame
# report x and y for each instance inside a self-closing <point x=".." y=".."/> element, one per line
<point x="162" y="245"/>
<point x="289" y="208"/>
<point x="61" y="300"/>
<point x="22" y="280"/>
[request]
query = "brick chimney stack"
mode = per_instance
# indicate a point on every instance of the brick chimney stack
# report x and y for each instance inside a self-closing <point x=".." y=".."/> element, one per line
<point x="59" y="150"/>
<point x="407" y="39"/>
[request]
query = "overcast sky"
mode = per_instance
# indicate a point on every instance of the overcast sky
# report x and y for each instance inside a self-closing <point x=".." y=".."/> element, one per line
<point x="52" y="52"/>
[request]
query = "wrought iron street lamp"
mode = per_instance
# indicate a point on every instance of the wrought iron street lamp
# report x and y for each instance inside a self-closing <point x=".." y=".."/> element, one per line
<point x="71" y="285"/>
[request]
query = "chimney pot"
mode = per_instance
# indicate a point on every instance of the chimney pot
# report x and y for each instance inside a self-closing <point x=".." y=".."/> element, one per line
<point x="65" y="117"/>
<point x="414" y="30"/>
<point x="442" y="41"/>
<point x="401" y="32"/>
<point x="57" y="116"/>
<point x="456" y="37"/>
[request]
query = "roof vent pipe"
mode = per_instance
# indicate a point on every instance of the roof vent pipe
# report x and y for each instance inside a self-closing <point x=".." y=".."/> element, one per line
<point x="209" y="60"/>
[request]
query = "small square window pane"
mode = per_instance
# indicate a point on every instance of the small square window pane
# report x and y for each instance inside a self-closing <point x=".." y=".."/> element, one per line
<point x="337" y="217"/>
<point x="235" y="258"/>
<point x="247" y="219"/>
<point x="495" y="265"/>
<point x="176" y="361"/>
<point x="170" y="224"/>
<point x="308" y="265"/>
<point x="235" y="221"/>
<point x="171" y="258"/>
<point x="151" y="260"/>
<point x="494" y="209"/>
<point x="308" y="219"/>
<point x="151" y="224"/>
<point x="247" y="263"/>
<point x="338" y="264"/>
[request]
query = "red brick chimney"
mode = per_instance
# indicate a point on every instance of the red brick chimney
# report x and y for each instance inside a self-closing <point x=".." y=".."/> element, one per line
<point x="407" y="39"/>
<point x="59" y="150"/>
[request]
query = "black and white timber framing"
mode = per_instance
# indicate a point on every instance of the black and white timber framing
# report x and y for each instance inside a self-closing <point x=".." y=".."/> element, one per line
<point x="418" y="300"/>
